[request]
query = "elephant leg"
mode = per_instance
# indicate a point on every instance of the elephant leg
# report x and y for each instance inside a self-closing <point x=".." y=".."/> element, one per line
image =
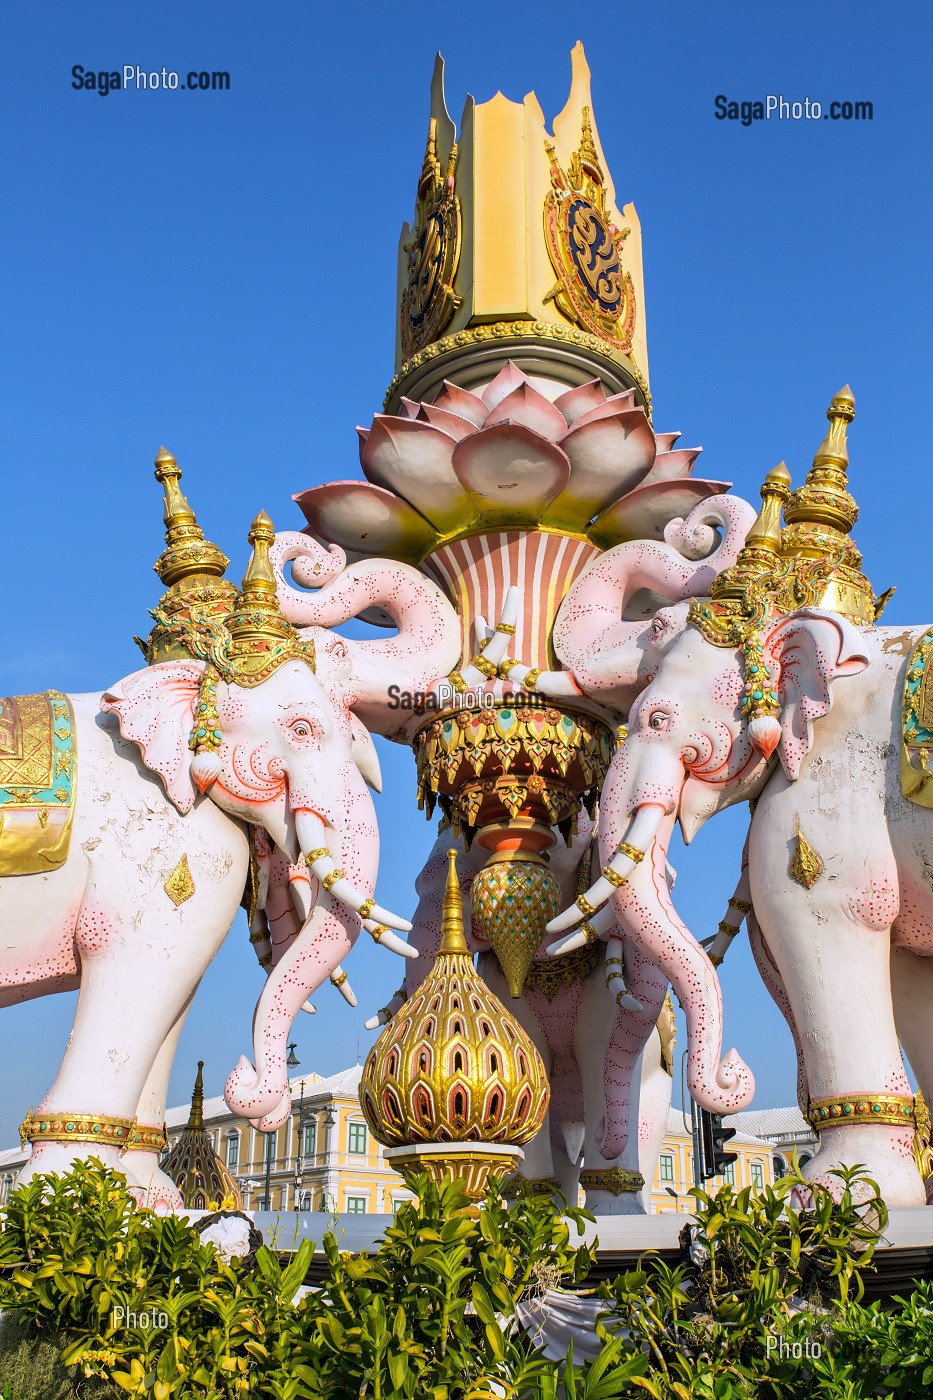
<point x="912" y="984"/>
<point x="616" y="1100"/>
<point x="153" y="1188"/>
<point x="132" y="993"/>
<point x="830" y="945"/>
<point x="772" y="980"/>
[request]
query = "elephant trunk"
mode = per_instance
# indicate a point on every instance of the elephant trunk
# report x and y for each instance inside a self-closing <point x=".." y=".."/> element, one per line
<point x="425" y="646"/>
<point x="261" y="1093"/>
<point x="644" y="910"/>
<point x="630" y="1034"/>
<point x="603" y="650"/>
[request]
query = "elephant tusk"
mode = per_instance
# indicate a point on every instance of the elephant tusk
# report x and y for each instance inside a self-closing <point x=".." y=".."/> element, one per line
<point x="740" y="904"/>
<point x="602" y="920"/>
<point x="309" y="1007"/>
<point x="492" y="648"/>
<point x="571" y="944"/>
<point x="386" y="939"/>
<point x="318" y="858"/>
<point x="385" y="1014"/>
<point x="615" y="977"/>
<point x="630" y="852"/>
<point x="339" y="979"/>
<point x="300" y="889"/>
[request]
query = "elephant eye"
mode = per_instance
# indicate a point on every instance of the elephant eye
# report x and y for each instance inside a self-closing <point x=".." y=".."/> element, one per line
<point x="658" y="720"/>
<point x="301" y="729"/>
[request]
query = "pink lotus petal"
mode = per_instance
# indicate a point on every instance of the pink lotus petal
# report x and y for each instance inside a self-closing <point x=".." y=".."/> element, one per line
<point x="581" y="399"/>
<point x="412" y="458"/>
<point x="462" y="402"/>
<point x="617" y="403"/>
<point x="644" y="512"/>
<point x="508" y="378"/>
<point x="453" y="424"/>
<point x="362" y="434"/>
<point x="526" y="405"/>
<point x="408" y="408"/>
<point x="515" y="470"/>
<point x="366" y="519"/>
<point x="667" y="465"/>
<point x="608" y="457"/>
<point x="665" y="441"/>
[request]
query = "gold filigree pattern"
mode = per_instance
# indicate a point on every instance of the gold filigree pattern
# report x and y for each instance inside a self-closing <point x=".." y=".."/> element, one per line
<point x="544" y="762"/>
<point x="38" y="775"/>
<point x="56" y="1126"/>
<point x="585" y="248"/>
<point x="895" y="1110"/>
<point x="917" y="723"/>
<point x="179" y="883"/>
<point x="429" y="300"/>
<point x="453" y="1065"/>
<point x="806" y="866"/>
<point x="613" y="1179"/>
<point x="549" y="975"/>
<point x="513" y="897"/>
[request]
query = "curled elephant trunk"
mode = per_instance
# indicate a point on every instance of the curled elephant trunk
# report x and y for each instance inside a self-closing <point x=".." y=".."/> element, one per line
<point x="643" y="909"/>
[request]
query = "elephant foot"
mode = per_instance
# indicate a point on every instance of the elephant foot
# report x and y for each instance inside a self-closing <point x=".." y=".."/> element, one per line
<point x="149" y="1185"/>
<point x="885" y="1154"/>
<point x="608" y="1203"/>
<point x="60" y="1157"/>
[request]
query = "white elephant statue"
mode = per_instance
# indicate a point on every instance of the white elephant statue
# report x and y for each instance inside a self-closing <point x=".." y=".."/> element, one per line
<point x="125" y="849"/>
<point x="783" y="692"/>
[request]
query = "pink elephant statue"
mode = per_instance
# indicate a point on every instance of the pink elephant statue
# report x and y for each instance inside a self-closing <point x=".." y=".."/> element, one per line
<point x="818" y="723"/>
<point x="123" y="881"/>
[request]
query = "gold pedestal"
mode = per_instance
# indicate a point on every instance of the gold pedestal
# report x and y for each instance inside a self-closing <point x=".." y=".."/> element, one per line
<point x="473" y="1163"/>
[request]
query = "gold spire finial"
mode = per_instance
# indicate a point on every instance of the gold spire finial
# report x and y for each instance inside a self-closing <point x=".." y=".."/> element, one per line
<point x="259" y="578"/>
<point x="452" y="936"/>
<point x="587" y="154"/>
<point x="762" y="548"/>
<point x="196" y="1115"/>
<point x="191" y="568"/>
<point x="766" y="531"/>
<point x="819" y="518"/>
<point x="186" y="551"/>
<point x="261" y="639"/>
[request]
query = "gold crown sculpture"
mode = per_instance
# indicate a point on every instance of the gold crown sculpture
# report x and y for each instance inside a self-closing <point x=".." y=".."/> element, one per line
<point x="811" y="562"/>
<point x="454" y="1085"/>
<point x="518" y="250"/>
<point x="192" y="570"/>
<point x="242" y="635"/>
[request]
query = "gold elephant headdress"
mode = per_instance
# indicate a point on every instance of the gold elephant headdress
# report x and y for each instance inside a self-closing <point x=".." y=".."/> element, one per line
<point x="243" y="636"/>
<point x="811" y="562"/>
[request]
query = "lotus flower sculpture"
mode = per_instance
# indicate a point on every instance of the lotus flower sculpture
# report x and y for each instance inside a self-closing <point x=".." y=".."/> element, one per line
<point x="508" y="488"/>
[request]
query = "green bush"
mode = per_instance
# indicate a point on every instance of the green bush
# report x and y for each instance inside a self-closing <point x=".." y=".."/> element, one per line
<point x="431" y="1312"/>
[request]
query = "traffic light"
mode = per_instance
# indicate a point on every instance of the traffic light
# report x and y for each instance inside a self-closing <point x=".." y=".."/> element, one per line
<point x="714" y="1136"/>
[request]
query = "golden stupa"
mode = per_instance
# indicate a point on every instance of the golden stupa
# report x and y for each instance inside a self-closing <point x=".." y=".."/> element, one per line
<point x="454" y="1086"/>
<point x="194" y="1166"/>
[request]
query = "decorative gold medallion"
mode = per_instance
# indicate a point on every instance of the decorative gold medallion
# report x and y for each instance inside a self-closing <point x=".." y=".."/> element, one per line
<point x="179" y="885"/>
<point x="429" y="300"/>
<point x="38" y="772"/>
<point x="585" y="248"/>
<point x="806" y="866"/>
<point x="613" y="1179"/>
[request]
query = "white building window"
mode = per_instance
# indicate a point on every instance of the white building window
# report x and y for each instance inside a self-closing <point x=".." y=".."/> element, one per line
<point x="666" y="1166"/>
<point x="356" y="1205"/>
<point x="309" y="1140"/>
<point x="233" y="1151"/>
<point x="356" y="1139"/>
<point x="758" y="1176"/>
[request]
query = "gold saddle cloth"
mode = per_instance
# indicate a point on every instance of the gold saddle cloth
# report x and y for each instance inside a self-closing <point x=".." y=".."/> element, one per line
<point x="38" y="769"/>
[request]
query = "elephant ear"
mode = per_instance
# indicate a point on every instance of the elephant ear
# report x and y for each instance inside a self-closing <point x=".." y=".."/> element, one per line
<point x="155" y="708"/>
<point x="809" y="650"/>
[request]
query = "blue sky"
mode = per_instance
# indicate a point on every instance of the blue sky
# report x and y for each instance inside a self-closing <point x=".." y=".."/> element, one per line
<point x="217" y="271"/>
